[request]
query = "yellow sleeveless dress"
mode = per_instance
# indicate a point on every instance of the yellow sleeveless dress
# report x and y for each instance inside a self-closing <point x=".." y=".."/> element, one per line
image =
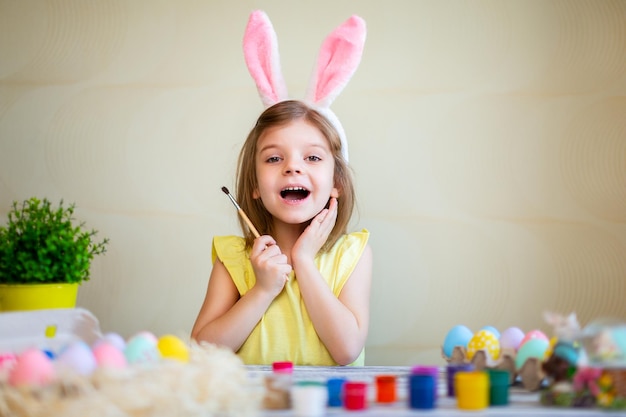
<point x="285" y="332"/>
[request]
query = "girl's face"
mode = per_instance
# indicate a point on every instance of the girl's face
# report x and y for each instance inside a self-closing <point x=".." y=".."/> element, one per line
<point x="295" y="172"/>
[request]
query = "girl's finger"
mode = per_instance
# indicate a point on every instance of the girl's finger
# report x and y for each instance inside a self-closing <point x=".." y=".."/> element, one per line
<point x="261" y="243"/>
<point x="329" y="215"/>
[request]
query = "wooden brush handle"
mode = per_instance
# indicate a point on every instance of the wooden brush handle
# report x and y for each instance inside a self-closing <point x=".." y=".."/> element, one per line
<point x="249" y="223"/>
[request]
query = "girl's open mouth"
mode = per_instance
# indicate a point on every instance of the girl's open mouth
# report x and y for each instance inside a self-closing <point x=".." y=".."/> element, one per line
<point x="294" y="193"/>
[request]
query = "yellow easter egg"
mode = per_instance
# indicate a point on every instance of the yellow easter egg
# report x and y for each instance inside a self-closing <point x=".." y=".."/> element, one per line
<point x="486" y="341"/>
<point x="172" y="347"/>
<point x="550" y="349"/>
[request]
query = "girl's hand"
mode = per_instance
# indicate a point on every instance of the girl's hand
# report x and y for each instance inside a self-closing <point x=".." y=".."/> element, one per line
<point x="316" y="233"/>
<point x="269" y="264"/>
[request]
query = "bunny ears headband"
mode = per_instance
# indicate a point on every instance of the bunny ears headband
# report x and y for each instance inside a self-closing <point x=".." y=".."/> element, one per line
<point x="337" y="61"/>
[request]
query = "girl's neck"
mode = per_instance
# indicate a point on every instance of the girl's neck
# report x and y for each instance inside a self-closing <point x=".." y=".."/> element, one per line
<point x="286" y="235"/>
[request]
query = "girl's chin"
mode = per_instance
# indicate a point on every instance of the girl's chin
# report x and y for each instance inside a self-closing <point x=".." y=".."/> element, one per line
<point x="295" y="220"/>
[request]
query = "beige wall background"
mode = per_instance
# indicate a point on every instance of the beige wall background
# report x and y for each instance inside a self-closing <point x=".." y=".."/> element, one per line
<point x="488" y="139"/>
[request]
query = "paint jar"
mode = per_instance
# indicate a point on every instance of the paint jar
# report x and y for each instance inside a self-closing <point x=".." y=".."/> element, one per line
<point x="282" y="367"/>
<point x="278" y="386"/>
<point x="421" y="391"/>
<point x="309" y="399"/>
<point x="385" y="388"/>
<point x="335" y="391"/>
<point x="498" y="386"/>
<point x="427" y="370"/>
<point x="355" y="395"/>
<point x="472" y="390"/>
<point x="451" y="370"/>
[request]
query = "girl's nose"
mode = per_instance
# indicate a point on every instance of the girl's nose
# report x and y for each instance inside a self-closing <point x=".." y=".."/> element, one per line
<point x="291" y="170"/>
<point x="292" y="167"/>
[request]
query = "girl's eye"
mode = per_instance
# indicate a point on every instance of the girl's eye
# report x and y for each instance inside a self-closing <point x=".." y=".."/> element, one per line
<point x="313" y="158"/>
<point x="272" y="159"/>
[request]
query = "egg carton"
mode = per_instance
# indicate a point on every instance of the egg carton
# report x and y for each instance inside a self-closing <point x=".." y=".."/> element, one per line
<point x="47" y="329"/>
<point x="531" y="374"/>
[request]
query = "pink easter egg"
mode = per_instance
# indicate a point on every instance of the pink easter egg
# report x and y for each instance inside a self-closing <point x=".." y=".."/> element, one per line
<point x="116" y="339"/>
<point x="32" y="368"/>
<point x="108" y="355"/>
<point x="7" y="360"/>
<point x="533" y="334"/>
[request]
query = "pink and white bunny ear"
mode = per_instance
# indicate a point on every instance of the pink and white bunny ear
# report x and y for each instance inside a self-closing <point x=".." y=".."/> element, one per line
<point x="260" y="48"/>
<point x="337" y="61"/>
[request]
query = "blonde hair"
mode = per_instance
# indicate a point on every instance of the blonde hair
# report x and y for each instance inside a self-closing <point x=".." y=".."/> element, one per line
<point x="277" y="115"/>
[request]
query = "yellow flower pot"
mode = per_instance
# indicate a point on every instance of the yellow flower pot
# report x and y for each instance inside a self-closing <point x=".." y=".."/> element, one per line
<point x="19" y="297"/>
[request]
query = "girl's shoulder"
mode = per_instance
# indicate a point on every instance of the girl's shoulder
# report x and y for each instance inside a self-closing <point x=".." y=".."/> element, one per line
<point x="228" y="247"/>
<point x="359" y="238"/>
<point x="353" y="244"/>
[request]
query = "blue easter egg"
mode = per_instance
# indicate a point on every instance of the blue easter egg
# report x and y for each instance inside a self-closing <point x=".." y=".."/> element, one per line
<point x="493" y="330"/>
<point x="459" y="335"/>
<point x="141" y="350"/>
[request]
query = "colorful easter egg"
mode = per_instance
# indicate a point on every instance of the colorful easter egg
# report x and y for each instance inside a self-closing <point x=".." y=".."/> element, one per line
<point x="116" y="340"/>
<point x="172" y="347"/>
<point x="7" y="360"/>
<point x="533" y="348"/>
<point x="79" y="357"/>
<point x="511" y="338"/>
<point x="107" y="355"/>
<point x="551" y="344"/>
<point x="459" y="335"/>
<point x="486" y="341"/>
<point x="141" y="349"/>
<point x="533" y="334"/>
<point x="492" y="330"/>
<point x="148" y="335"/>
<point x="32" y="368"/>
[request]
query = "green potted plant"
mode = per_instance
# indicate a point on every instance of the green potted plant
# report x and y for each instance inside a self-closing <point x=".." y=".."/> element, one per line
<point x="45" y="254"/>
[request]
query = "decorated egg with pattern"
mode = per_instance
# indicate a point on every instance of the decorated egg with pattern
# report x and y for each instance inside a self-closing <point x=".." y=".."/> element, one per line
<point x="486" y="341"/>
<point x="533" y="334"/>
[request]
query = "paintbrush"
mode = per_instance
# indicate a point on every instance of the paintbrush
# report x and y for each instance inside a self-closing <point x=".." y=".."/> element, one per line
<point x="241" y="213"/>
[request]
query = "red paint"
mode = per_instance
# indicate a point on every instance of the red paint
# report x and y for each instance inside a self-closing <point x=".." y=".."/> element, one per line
<point x="355" y="395"/>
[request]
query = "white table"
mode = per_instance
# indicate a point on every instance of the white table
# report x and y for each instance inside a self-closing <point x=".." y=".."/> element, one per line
<point x="522" y="402"/>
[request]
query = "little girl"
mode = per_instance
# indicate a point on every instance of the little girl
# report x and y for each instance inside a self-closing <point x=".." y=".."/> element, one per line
<point x="300" y="291"/>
